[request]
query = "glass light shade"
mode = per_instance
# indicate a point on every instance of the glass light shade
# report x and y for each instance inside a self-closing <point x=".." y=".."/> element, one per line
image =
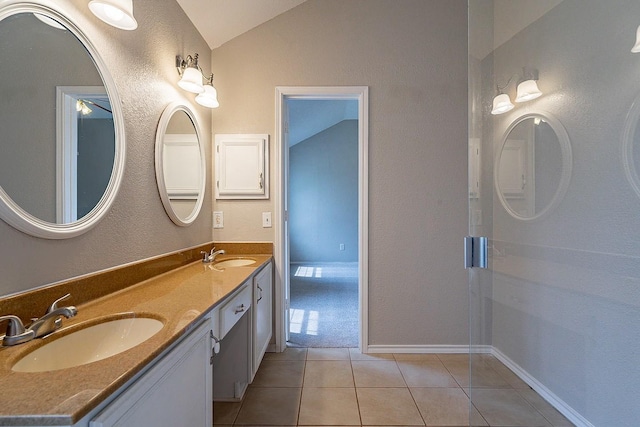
<point x="208" y="98"/>
<point x="191" y="80"/>
<point x="118" y="13"/>
<point x="501" y="104"/>
<point x="527" y="90"/>
<point x="636" y="47"/>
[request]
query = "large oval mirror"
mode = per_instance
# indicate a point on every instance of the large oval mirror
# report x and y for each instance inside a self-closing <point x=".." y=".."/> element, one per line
<point x="180" y="164"/>
<point x="62" y="146"/>
<point x="533" y="166"/>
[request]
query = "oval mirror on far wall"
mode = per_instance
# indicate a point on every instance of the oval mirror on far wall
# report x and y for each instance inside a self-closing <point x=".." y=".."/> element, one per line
<point x="62" y="146"/>
<point x="180" y="164"/>
<point x="533" y="166"/>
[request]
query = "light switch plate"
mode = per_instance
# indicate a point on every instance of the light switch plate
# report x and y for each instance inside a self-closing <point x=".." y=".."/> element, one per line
<point x="218" y="219"/>
<point x="266" y="219"/>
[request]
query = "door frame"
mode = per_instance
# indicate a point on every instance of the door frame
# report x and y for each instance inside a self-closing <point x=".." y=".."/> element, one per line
<point x="281" y="252"/>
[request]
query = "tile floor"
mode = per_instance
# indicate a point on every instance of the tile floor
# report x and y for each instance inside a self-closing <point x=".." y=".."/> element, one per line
<point x="341" y="387"/>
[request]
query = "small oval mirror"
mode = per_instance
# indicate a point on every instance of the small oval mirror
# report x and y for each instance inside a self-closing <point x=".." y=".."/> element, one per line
<point x="180" y="164"/>
<point x="533" y="166"/>
<point x="62" y="149"/>
<point x="631" y="146"/>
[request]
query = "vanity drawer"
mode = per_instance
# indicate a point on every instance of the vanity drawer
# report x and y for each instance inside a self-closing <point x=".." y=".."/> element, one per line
<point x="233" y="310"/>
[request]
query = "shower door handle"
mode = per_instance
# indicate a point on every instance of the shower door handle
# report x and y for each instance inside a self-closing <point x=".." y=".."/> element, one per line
<point x="475" y="252"/>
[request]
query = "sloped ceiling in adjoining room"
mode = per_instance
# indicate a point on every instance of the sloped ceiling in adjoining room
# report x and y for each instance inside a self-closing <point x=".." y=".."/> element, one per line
<point x="219" y="21"/>
<point x="308" y="117"/>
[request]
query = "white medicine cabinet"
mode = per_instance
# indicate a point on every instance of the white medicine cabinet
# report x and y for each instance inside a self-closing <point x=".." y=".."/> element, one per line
<point x="242" y="166"/>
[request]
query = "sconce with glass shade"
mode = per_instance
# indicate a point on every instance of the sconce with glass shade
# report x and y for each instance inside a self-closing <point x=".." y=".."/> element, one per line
<point x="191" y="81"/>
<point x="526" y="90"/>
<point x="117" y="13"/>
<point x="636" y="47"/>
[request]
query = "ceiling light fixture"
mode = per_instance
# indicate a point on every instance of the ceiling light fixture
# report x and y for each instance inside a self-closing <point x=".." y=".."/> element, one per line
<point x="118" y="13"/>
<point x="191" y="81"/>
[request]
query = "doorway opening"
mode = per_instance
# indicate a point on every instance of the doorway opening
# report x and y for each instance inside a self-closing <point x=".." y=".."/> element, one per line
<point x="321" y="244"/>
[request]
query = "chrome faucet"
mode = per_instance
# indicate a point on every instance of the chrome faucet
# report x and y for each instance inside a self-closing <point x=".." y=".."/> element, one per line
<point x="18" y="334"/>
<point x="211" y="256"/>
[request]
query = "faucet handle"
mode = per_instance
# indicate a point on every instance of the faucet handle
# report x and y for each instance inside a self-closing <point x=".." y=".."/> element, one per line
<point x="15" y="326"/>
<point x="54" y="305"/>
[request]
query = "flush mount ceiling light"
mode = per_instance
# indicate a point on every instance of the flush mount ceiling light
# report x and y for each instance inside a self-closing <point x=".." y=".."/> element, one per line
<point x="636" y="47"/>
<point x="527" y="90"/>
<point x="118" y="13"/>
<point x="191" y="81"/>
<point x="50" y="21"/>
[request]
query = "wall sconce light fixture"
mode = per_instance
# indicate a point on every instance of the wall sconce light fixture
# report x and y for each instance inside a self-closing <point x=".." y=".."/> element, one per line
<point x="118" y="13"/>
<point x="191" y="81"/>
<point x="636" y="47"/>
<point x="526" y="91"/>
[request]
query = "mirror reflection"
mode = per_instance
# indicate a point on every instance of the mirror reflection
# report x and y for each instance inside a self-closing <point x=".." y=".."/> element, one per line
<point x="58" y="135"/>
<point x="181" y="170"/>
<point x="532" y="166"/>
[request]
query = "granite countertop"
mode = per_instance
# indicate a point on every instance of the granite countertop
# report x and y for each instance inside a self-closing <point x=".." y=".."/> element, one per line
<point x="180" y="298"/>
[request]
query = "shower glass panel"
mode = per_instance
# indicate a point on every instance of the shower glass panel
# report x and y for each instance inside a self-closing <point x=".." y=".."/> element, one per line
<point x="555" y="185"/>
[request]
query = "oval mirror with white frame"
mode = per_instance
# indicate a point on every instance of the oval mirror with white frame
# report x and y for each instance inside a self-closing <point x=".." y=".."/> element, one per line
<point x="631" y="146"/>
<point x="533" y="166"/>
<point x="180" y="164"/>
<point x="62" y="151"/>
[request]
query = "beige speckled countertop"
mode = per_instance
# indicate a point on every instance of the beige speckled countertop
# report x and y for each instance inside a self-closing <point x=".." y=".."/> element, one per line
<point x="180" y="298"/>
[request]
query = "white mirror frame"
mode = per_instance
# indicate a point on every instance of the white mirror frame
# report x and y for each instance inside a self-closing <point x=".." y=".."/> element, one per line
<point x="628" y="135"/>
<point x="567" y="165"/>
<point x="166" y="116"/>
<point x="13" y="214"/>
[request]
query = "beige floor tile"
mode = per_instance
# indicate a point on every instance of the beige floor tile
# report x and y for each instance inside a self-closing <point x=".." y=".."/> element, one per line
<point x="445" y="407"/>
<point x="545" y="408"/>
<point x="328" y="354"/>
<point x="289" y="353"/>
<point x="419" y="373"/>
<point x="388" y="406"/>
<point x="509" y="376"/>
<point x="270" y="406"/>
<point x="505" y="407"/>
<point x="417" y="357"/>
<point x="328" y="373"/>
<point x="355" y="354"/>
<point x="329" y="406"/>
<point x="379" y="373"/>
<point x="225" y="412"/>
<point x="279" y="373"/>
<point x="482" y="375"/>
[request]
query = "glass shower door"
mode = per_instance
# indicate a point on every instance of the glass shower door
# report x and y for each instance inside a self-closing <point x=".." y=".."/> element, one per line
<point x="554" y="183"/>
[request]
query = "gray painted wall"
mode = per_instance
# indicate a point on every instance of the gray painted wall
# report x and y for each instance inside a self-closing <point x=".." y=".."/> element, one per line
<point x="413" y="56"/>
<point x="323" y="196"/>
<point x="142" y="63"/>
<point x="564" y="301"/>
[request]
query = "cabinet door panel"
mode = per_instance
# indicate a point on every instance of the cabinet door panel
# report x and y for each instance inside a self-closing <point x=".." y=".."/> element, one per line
<point x="262" y="303"/>
<point x="175" y="392"/>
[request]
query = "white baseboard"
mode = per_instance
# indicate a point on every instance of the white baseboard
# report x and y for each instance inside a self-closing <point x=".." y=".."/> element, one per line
<point x="426" y="349"/>
<point x="562" y="407"/>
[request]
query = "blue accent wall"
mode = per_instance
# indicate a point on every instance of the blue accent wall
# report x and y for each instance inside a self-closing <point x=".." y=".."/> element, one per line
<point x="323" y="196"/>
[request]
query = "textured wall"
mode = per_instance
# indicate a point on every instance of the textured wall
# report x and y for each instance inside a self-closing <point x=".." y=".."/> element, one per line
<point x="323" y="196"/>
<point x="413" y="56"/>
<point x="142" y="63"/>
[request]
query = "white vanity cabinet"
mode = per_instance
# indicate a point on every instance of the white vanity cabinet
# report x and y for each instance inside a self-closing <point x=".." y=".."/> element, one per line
<point x="232" y="365"/>
<point x="176" y="391"/>
<point x="262" y="315"/>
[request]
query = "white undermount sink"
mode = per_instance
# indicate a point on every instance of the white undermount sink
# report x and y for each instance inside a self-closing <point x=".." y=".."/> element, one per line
<point x="89" y="344"/>
<point x="235" y="262"/>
